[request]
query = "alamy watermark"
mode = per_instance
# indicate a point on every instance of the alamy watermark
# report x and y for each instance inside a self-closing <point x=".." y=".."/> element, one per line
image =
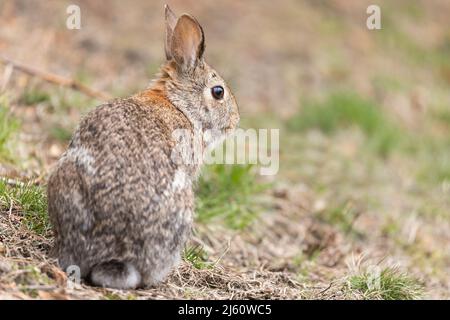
<point x="73" y="21"/>
<point x="373" y="22"/>
<point x="73" y="273"/>
<point x="245" y="146"/>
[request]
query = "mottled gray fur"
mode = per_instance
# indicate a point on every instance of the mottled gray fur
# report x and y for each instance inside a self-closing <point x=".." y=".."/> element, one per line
<point x="115" y="208"/>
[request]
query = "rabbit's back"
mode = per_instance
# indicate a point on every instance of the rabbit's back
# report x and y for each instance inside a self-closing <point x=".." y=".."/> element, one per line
<point x="112" y="195"/>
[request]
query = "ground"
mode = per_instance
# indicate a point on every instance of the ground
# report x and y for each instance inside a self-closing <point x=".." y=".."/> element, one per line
<point x="360" y="208"/>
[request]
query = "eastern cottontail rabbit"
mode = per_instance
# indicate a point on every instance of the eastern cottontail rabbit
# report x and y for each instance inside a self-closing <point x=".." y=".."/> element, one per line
<point x="120" y="205"/>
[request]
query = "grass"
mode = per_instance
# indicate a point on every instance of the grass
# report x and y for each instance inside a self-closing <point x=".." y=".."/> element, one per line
<point x="8" y="127"/>
<point x="65" y="100"/>
<point x="31" y="201"/>
<point x="389" y="83"/>
<point x="346" y="109"/>
<point x="197" y="257"/>
<point x="31" y="276"/>
<point x="34" y="96"/>
<point x="61" y="133"/>
<point x="436" y="169"/>
<point x="440" y="169"/>
<point x="442" y="116"/>
<point x="229" y="193"/>
<point x="342" y="216"/>
<point x="60" y="99"/>
<point x="390" y="228"/>
<point x="395" y="38"/>
<point x="388" y="284"/>
<point x="434" y="160"/>
<point x="115" y="296"/>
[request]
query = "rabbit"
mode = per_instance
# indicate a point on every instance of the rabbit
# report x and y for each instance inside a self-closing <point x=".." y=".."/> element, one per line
<point x="120" y="203"/>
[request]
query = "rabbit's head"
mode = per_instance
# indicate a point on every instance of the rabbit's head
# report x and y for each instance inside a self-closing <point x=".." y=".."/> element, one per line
<point x="190" y="83"/>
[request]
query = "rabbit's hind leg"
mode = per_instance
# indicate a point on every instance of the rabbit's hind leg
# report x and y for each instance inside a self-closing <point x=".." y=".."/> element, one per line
<point x="115" y="274"/>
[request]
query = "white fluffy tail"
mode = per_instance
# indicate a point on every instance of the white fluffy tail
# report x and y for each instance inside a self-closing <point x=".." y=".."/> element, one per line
<point x="115" y="274"/>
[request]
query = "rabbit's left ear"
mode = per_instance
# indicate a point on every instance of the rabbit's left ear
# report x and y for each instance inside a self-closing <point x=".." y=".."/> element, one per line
<point x="171" y="22"/>
<point x="188" y="42"/>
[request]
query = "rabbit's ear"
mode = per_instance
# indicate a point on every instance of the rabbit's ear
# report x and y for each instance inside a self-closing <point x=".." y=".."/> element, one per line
<point x="171" y="21"/>
<point x="188" y="42"/>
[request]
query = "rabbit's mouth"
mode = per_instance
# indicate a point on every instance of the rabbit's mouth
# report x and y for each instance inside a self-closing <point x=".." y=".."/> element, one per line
<point x="227" y="128"/>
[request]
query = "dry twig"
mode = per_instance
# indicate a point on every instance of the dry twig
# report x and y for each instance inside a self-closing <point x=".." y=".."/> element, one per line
<point x="56" y="79"/>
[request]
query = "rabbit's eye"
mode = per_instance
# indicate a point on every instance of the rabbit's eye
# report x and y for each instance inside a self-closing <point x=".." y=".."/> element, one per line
<point x="217" y="92"/>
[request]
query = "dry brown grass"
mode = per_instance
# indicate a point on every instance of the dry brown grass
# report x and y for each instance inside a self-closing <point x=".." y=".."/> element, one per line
<point x="240" y="269"/>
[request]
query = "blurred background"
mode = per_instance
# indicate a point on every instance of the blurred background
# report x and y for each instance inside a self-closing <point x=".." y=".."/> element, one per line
<point x="364" y="119"/>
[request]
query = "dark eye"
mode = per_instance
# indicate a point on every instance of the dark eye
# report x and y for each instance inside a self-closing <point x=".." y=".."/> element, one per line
<point x="217" y="92"/>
